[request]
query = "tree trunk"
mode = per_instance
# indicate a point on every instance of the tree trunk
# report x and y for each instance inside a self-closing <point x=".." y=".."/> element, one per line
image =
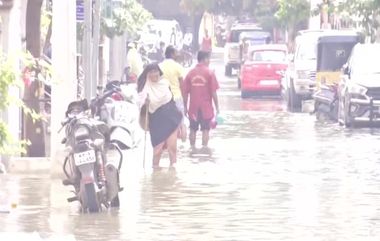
<point x="33" y="130"/>
<point x="197" y="18"/>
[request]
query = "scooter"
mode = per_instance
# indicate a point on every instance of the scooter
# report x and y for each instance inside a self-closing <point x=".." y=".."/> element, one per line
<point x="326" y="103"/>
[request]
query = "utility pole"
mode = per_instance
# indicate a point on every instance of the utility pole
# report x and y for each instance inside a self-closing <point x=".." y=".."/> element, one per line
<point x="95" y="44"/>
<point x="89" y="88"/>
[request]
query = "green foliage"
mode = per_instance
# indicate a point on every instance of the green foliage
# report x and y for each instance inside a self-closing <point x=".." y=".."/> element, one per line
<point x="263" y="11"/>
<point x="10" y="78"/>
<point x="128" y="17"/>
<point x="231" y="7"/>
<point x="368" y="11"/>
<point x="292" y="12"/>
<point x="197" y="6"/>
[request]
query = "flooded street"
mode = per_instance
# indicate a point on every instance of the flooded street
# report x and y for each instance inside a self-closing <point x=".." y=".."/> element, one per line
<point x="273" y="175"/>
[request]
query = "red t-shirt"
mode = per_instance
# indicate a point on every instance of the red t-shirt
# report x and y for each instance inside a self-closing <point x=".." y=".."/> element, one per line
<point x="206" y="44"/>
<point x="200" y="83"/>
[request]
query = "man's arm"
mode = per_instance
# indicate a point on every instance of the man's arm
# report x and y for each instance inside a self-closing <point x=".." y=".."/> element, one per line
<point x="216" y="101"/>
<point x="185" y="95"/>
<point x="214" y="88"/>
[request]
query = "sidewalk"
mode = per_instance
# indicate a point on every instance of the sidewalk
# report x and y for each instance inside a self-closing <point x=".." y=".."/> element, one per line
<point x="29" y="165"/>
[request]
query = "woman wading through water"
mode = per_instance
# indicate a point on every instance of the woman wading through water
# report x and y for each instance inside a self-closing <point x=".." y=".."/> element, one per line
<point x="164" y="118"/>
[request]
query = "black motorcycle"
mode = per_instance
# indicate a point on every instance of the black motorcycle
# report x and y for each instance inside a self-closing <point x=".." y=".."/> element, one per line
<point x="326" y="103"/>
<point x="84" y="166"/>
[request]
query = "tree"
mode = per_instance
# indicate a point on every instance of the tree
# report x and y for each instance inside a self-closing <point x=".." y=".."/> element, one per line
<point x="196" y="8"/>
<point x="368" y="11"/>
<point x="293" y="14"/>
<point x="128" y="17"/>
<point x="10" y="78"/>
<point x="263" y="10"/>
<point x="7" y="80"/>
<point x="33" y="129"/>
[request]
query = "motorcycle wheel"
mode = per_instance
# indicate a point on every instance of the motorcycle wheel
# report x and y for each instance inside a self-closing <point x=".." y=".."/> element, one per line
<point x="115" y="203"/>
<point x="91" y="198"/>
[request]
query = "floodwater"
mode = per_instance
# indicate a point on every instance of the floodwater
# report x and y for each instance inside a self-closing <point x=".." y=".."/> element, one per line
<point x="273" y="175"/>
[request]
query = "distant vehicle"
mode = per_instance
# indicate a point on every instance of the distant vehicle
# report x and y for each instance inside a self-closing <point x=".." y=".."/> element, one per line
<point x="232" y="55"/>
<point x="299" y="82"/>
<point x="359" y="89"/>
<point x="170" y="31"/>
<point x="263" y="70"/>
<point x="333" y="51"/>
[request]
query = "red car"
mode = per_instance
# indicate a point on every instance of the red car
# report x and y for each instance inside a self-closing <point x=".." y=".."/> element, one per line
<point x="263" y="69"/>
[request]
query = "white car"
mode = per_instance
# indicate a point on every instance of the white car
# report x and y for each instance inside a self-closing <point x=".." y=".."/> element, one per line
<point x="359" y="89"/>
<point x="300" y="79"/>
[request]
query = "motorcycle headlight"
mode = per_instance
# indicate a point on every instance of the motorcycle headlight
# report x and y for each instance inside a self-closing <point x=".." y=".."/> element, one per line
<point x="81" y="132"/>
<point x="357" y="89"/>
<point x="302" y="74"/>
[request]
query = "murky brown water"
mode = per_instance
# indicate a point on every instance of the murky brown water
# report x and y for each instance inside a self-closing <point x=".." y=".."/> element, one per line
<point x="272" y="176"/>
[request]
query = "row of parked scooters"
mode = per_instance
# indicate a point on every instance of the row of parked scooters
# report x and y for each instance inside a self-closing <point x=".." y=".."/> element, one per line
<point x="96" y="134"/>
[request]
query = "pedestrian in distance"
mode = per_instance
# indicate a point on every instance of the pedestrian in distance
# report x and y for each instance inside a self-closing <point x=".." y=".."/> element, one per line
<point x="174" y="72"/>
<point x="163" y="117"/>
<point x="134" y="60"/>
<point x="200" y="93"/>
<point x="206" y="45"/>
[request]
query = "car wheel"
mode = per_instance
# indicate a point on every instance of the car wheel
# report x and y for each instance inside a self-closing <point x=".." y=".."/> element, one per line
<point x="346" y="113"/>
<point x="294" y="101"/>
<point x="228" y="70"/>
<point x="340" y="111"/>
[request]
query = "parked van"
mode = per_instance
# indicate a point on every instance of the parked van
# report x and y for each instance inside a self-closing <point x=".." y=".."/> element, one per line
<point x="171" y="33"/>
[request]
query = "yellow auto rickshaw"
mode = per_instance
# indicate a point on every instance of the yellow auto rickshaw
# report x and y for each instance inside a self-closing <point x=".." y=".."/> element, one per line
<point x="333" y="50"/>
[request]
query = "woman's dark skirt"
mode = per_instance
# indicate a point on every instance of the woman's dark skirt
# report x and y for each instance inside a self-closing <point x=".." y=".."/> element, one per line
<point x="163" y="122"/>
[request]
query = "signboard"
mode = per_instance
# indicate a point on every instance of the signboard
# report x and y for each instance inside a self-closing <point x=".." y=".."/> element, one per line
<point x="80" y="11"/>
<point x="6" y="4"/>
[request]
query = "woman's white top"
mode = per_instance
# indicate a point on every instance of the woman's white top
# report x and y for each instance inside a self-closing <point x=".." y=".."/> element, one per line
<point x="159" y="94"/>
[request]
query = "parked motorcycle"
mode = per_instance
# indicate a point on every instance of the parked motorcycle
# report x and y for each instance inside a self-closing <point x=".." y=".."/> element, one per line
<point x="326" y="103"/>
<point x="86" y="164"/>
<point x="120" y="112"/>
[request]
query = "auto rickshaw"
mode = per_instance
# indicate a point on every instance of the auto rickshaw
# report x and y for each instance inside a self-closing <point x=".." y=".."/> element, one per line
<point x="333" y="50"/>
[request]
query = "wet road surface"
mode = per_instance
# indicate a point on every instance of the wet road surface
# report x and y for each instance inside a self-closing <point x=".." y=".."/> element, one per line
<point x="273" y="175"/>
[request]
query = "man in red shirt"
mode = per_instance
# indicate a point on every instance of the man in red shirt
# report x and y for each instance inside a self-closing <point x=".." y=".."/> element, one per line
<point x="206" y="43"/>
<point x="201" y="85"/>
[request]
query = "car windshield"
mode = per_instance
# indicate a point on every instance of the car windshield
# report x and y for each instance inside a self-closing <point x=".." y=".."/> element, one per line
<point x="367" y="62"/>
<point x="307" y="51"/>
<point x="235" y="34"/>
<point x="275" y="56"/>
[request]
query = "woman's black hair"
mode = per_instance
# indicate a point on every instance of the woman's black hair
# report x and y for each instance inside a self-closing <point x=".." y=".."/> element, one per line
<point x="143" y="76"/>
<point x="169" y="52"/>
<point x="203" y="55"/>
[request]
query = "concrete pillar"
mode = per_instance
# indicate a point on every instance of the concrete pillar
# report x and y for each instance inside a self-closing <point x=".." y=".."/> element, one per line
<point x="11" y="46"/>
<point x="64" y="74"/>
<point x="118" y="56"/>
